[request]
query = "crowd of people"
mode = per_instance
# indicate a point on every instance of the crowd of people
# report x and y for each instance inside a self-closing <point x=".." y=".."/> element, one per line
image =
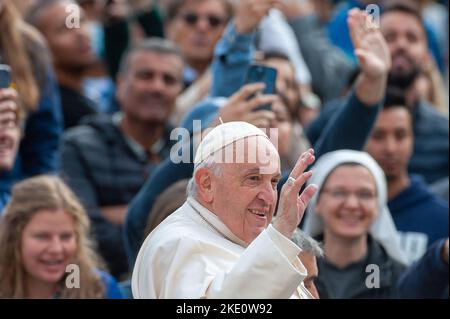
<point x="352" y="201"/>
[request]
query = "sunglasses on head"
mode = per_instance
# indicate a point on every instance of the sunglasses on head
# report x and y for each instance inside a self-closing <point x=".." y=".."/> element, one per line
<point x="214" y="21"/>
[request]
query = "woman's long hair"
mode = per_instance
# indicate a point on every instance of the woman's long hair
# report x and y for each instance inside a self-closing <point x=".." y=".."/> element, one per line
<point x="17" y="47"/>
<point x="28" y="197"/>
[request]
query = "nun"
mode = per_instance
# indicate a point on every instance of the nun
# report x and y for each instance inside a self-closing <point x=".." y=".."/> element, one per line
<point x="349" y="214"/>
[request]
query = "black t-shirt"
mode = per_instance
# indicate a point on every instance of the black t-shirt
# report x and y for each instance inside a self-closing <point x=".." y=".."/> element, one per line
<point x="74" y="106"/>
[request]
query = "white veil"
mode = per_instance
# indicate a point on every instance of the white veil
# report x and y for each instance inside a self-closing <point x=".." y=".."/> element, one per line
<point x="383" y="228"/>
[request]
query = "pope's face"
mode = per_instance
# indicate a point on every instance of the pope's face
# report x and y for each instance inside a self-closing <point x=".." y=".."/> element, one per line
<point x="245" y="194"/>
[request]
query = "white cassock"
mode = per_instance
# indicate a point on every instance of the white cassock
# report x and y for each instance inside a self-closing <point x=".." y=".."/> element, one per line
<point x="192" y="254"/>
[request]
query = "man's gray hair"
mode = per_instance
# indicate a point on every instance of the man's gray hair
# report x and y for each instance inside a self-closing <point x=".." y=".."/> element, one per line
<point x="155" y="45"/>
<point x="211" y="164"/>
<point x="307" y="243"/>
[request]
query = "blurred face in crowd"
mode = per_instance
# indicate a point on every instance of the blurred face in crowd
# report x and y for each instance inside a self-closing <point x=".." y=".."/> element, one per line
<point x="148" y="88"/>
<point x="197" y="28"/>
<point x="391" y="143"/>
<point x="347" y="202"/>
<point x="243" y="195"/>
<point x="286" y="81"/>
<point x="48" y="245"/>
<point x="70" y="46"/>
<point x="9" y="140"/>
<point x="309" y="261"/>
<point x="283" y="122"/>
<point x="407" y="43"/>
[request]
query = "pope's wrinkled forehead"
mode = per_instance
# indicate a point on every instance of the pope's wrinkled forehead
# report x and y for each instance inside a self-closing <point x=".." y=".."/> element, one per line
<point x="255" y="152"/>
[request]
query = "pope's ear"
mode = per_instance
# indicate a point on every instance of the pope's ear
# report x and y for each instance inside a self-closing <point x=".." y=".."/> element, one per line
<point x="204" y="185"/>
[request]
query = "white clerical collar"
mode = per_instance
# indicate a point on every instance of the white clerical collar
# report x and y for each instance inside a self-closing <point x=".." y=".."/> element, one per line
<point x="215" y="222"/>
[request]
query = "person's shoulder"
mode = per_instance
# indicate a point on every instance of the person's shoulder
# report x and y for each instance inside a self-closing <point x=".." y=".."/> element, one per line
<point x="179" y="230"/>
<point x="432" y="202"/>
<point x="430" y="114"/>
<point x="91" y="130"/>
<point x="175" y="228"/>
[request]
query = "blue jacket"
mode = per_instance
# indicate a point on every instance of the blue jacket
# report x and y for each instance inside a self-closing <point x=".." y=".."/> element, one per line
<point x="38" y="151"/>
<point x="233" y="55"/>
<point x="112" y="289"/>
<point x="420" y="216"/>
<point x="428" y="277"/>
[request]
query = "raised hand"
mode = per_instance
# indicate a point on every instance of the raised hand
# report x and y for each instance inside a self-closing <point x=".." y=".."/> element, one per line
<point x="250" y="12"/>
<point x="291" y="206"/>
<point x="370" y="47"/>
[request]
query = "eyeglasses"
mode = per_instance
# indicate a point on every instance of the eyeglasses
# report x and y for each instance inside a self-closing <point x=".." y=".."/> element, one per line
<point x="342" y="195"/>
<point x="192" y="19"/>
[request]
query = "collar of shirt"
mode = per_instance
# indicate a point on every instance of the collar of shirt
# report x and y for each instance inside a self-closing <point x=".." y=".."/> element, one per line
<point x="136" y="147"/>
<point x="214" y="221"/>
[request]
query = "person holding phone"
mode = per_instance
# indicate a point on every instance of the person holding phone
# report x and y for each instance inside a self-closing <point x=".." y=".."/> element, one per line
<point x="23" y="49"/>
<point x="10" y="119"/>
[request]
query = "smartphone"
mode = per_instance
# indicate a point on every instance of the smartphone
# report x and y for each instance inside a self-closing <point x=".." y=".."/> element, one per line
<point x="258" y="73"/>
<point x="5" y="76"/>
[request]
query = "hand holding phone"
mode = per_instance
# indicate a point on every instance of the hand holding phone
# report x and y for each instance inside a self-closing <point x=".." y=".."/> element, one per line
<point x="258" y="73"/>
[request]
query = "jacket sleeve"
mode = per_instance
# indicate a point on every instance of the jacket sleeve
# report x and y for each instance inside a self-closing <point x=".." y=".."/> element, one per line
<point x="427" y="277"/>
<point x="233" y="55"/>
<point x="349" y="128"/>
<point x="39" y="149"/>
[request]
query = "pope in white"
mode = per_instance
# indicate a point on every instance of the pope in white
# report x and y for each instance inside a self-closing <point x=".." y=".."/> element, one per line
<point x="220" y="243"/>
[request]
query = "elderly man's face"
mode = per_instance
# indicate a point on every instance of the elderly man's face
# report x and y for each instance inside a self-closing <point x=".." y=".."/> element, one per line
<point x="244" y="196"/>
<point x="309" y="261"/>
<point x="391" y="143"/>
<point x="148" y="89"/>
<point x="197" y="28"/>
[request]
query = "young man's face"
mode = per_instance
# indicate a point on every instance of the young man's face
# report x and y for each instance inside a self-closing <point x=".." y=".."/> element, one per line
<point x="391" y="143"/>
<point x="70" y="44"/>
<point x="407" y="43"/>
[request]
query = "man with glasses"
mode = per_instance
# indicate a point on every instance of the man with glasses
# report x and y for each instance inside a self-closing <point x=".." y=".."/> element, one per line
<point x="196" y="26"/>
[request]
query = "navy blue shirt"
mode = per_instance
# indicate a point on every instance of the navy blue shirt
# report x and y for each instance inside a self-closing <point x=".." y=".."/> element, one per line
<point x="420" y="216"/>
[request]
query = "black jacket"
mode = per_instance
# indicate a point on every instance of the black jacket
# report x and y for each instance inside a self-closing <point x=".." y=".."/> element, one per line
<point x="389" y="273"/>
<point x="102" y="169"/>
